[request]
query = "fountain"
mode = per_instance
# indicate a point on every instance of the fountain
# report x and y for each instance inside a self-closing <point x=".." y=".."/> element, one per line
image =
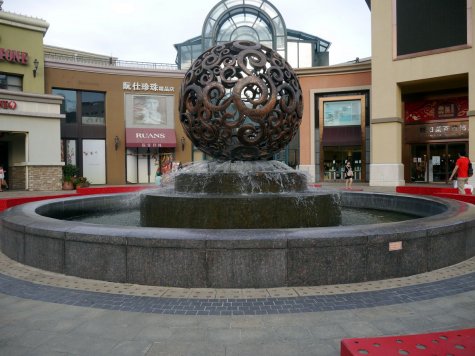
<point x="240" y="220"/>
<point x="240" y="103"/>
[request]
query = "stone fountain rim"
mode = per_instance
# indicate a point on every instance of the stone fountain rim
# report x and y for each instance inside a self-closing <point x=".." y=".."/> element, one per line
<point x="456" y="214"/>
<point x="240" y="258"/>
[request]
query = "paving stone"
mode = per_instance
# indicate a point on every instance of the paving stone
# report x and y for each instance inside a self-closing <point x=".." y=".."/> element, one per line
<point x="360" y="329"/>
<point x="79" y="344"/>
<point x="128" y="347"/>
<point x="188" y="349"/>
<point x="17" y="350"/>
<point x="224" y="336"/>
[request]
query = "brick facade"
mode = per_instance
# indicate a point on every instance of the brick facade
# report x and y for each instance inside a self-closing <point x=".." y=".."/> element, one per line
<point x="45" y="178"/>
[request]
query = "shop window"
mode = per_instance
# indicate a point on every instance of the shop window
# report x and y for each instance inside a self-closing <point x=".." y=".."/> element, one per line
<point x="342" y="113"/>
<point x="144" y="165"/>
<point x="69" y="104"/>
<point x="92" y="108"/>
<point x="89" y="106"/>
<point x="335" y="158"/>
<point x="11" y="82"/>
<point x="68" y="152"/>
<point x="151" y="111"/>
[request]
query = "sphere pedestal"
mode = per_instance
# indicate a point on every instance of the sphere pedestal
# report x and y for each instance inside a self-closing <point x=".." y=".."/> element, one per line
<point x="240" y="195"/>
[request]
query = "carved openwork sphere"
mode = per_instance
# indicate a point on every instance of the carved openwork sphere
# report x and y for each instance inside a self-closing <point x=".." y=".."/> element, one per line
<point x="240" y="101"/>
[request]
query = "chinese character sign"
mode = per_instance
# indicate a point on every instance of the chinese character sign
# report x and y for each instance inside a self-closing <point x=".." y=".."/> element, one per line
<point x="140" y="86"/>
<point x="427" y="110"/>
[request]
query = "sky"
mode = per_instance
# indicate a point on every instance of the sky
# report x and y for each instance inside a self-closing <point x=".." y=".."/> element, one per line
<point x="146" y="30"/>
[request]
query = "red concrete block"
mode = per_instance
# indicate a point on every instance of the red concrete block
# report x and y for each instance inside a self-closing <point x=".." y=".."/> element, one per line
<point x="468" y="198"/>
<point x="112" y="189"/>
<point x="422" y="190"/>
<point x="10" y="202"/>
<point x="455" y="343"/>
<point x="6" y="203"/>
<point x="449" y="193"/>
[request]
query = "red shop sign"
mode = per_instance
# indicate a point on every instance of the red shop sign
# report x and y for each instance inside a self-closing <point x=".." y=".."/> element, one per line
<point x="428" y="110"/>
<point x="8" y="104"/>
<point x="13" y="56"/>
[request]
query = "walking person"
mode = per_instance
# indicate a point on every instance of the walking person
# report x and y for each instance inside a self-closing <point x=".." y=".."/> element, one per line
<point x="461" y="169"/>
<point x="3" y="182"/>
<point x="348" y="175"/>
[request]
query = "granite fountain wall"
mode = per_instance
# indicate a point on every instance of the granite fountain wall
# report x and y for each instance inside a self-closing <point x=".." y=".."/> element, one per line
<point x="240" y="258"/>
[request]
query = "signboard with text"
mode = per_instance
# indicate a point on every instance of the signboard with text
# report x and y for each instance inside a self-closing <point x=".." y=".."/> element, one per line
<point x="436" y="131"/>
<point x="149" y="137"/>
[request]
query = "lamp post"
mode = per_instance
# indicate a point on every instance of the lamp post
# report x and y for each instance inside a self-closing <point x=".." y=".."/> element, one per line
<point x="35" y="68"/>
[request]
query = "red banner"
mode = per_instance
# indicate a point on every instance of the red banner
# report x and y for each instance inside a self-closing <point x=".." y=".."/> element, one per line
<point x="147" y="137"/>
<point x="427" y="110"/>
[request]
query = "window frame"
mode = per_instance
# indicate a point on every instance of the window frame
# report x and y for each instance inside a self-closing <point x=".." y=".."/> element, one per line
<point x="10" y="86"/>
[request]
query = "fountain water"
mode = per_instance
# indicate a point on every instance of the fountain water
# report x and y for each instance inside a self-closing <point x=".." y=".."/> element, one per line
<point x="240" y="195"/>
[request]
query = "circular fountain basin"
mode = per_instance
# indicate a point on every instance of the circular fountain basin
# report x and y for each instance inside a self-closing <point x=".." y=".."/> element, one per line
<point x="444" y="234"/>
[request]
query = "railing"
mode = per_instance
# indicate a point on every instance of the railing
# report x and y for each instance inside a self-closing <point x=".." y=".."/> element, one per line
<point x="109" y="62"/>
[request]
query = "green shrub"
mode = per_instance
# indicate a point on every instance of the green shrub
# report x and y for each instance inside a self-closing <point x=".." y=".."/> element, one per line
<point x="69" y="172"/>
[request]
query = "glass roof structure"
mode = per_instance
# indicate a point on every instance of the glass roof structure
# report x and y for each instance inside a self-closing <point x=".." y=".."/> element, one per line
<point x="257" y="21"/>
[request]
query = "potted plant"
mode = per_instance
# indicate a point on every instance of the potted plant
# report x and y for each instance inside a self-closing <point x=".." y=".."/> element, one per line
<point x="81" y="182"/>
<point x="70" y="171"/>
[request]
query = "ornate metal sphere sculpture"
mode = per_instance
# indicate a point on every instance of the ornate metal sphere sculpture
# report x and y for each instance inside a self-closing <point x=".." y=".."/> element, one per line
<point x="240" y="101"/>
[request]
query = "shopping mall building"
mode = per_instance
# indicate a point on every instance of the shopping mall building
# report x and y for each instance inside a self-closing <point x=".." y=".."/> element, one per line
<point x="401" y="116"/>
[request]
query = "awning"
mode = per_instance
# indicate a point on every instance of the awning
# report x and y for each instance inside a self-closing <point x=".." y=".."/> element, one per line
<point x="146" y="137"/>
<point x="342" y="136"/>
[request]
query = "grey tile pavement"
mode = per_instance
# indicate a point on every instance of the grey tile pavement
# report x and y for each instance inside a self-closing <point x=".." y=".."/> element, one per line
<point x="39" y="319"/>
<point x="43" y="328"/>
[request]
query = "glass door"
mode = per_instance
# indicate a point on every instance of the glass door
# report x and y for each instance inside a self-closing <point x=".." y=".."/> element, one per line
<point x="334" y="162"/>
<point x="441" y="162"/>
<point x="438" y="163"/>
<point x="419" y="163"/>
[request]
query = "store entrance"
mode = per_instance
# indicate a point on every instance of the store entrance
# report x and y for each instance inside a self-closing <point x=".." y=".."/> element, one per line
<point x="434" y="162"/>
<point x="144" y="164"/>
<point x="334" y="158"/>
<point x="4" y="158"/>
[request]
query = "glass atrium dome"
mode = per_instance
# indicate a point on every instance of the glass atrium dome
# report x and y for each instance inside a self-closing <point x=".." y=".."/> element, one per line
<point x="257" y="21"/>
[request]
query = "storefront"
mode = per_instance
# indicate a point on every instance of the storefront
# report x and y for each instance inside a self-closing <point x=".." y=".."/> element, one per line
<point x="150" y="138"/>
<point x="150" y="152"/>
<point x="83" y="132"/>
<point x="121" y="125"/>
<point x="336" y="121"/>
<point x="436" y="130"/>
<point x="342" y="135"/>
<point x="29" y="118"/>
